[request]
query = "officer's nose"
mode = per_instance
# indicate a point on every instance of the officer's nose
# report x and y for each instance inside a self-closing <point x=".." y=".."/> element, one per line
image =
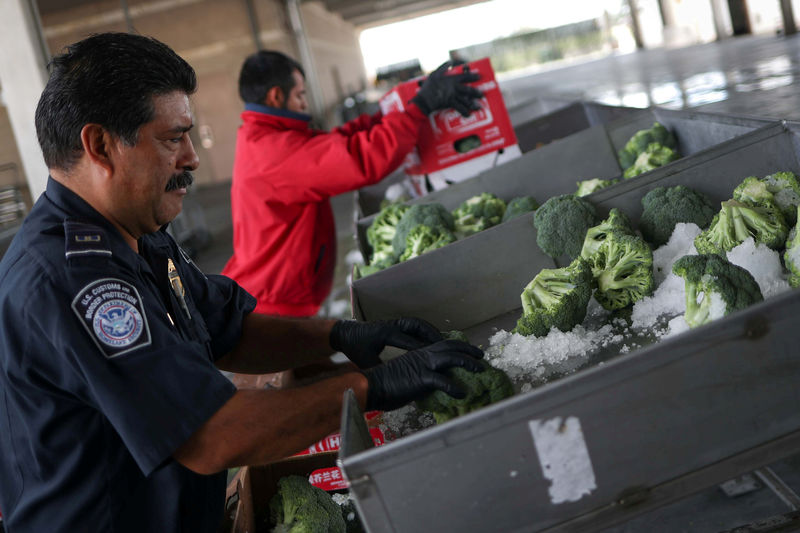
<point x="189" y="159"/>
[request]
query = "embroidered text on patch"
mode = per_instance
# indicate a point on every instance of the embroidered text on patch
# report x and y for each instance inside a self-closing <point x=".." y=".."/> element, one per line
<point x="113" y="314"/>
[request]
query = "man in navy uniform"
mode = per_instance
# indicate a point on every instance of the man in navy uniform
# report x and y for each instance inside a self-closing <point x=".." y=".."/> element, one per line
<point x="114" y="413"/>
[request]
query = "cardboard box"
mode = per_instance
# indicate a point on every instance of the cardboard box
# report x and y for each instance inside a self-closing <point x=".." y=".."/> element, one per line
<point x="251" y="489"/>
<point x="448" y="139"/>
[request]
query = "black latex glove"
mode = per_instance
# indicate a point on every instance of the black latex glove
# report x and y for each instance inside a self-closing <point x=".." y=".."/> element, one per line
<point x="363" y="342"/>
<point x="417" y="373"/>
<point x="444" y="91"/>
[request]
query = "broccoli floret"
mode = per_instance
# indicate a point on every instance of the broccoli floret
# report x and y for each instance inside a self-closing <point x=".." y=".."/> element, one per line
<point x="362" y="271"/>
<point x="587" y="187"/>
<point x="791" y="256"/>
<point x="433" y="215"/>
<point x="664" y="207"/>
<point x="623" y="270"/>
<point x="556" y="297"/>
<point x="617" y="220"/>
<point x="519" y="206"/>
<point x="561" y="224"/>
<point x="715" y="287"/>
<point x="780" y="189"/>
<point x="478" y="213"/>
<point x="752" y="191"/>
<point x="455" y="335"/>
<point x="640" y="140"/>
<point x="300" y="507"/>
<point x="655" y="155"/>
<point x="736" y="221"/>
<point x="482" y="388"/>
<point x="423" y="239"/>
<point x="382" y="230"/>
<point x="785" y="189"/>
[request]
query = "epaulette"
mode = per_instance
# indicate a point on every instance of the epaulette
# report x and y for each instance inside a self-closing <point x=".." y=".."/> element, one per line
<point x="84" y="240"/>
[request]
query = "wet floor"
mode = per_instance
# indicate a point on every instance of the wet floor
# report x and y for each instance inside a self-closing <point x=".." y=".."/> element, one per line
<point x="743" y="75"/>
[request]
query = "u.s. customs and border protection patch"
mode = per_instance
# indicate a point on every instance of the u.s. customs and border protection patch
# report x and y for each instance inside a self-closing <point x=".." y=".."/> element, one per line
<point x="111" y="310"/>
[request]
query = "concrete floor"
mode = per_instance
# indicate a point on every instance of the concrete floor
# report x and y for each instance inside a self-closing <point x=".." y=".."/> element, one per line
<point x="753" y="76"/>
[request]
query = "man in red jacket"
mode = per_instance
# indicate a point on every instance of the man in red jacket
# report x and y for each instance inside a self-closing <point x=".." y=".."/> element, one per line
<point x="284" y="174"/>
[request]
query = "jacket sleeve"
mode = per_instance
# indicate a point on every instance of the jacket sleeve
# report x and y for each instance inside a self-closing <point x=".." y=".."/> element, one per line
<point x="361" y="123"/>
<point x="328" y="164"/>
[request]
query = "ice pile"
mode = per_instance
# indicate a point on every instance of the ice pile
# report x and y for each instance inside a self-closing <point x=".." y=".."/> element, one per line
<point x="531" y="361"/>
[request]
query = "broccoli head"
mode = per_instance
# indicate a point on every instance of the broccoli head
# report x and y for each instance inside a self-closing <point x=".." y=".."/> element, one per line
<point x="752" y="191"/>
<point x="300" y="507"/>
<point x="791" y="256"/>
<point x="655" y="155"/>
<point x="456" y="335"/>
<point x="587" y="187"/>
<point x="780" y="189"/>
<point x="617" y="220"/>
<point x="642" y="139"/>
<point x="561" y="224"/>
<point x="381" y="232"/>
<point x="482" y="388"/>
<point x="362" y="271"/>
<point x="556" y="297"/>
<point x="664" y="207"/>
<point x="785" y="190"/>
<point x="623" y="270"/>
<point x="433" y="215"/>
<point x="519" y="206"/>
<point x="423" y="239"/>
<point x="478" y="213"/>
<point x="736" y="222"/>
<point x="715" y="287"/>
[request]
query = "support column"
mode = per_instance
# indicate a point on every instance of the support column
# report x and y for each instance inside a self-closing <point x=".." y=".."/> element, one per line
<point x="789" y="26"/>
<point x="22" y="79"/>
<point x="637" y="31"/>
<point x="307" y="60"/>
<point x="718" y="13"/>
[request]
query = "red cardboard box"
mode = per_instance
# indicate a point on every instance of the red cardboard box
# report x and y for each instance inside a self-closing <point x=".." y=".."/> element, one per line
<point x="447" y="138"/>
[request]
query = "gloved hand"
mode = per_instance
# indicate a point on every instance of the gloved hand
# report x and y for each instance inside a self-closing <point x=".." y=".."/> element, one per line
<point x="443" y="91"/>
<point x="417" y="373"/>
<point x="363" y="342"/>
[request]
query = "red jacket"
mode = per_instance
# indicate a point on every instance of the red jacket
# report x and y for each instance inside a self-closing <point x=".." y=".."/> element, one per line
<point x="284" y="173"/>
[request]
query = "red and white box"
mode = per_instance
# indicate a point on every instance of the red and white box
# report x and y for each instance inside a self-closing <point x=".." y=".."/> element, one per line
<point x="448" y="139"/>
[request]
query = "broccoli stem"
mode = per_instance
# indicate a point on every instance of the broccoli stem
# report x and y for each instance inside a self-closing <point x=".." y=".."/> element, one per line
<point x="697" y="306"/>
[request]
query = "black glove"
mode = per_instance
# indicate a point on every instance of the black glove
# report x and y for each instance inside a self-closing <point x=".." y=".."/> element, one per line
<point x="363" y="342"/>
<point x="415" y="374"/>
<point x="443" y="91"/>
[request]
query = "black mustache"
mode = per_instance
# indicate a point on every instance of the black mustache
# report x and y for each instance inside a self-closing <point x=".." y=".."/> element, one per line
<point x="179" y="181"/>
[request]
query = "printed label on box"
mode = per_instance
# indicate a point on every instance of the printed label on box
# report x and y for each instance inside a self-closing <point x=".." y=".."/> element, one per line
<point x="448" y="138"/>
<point x="328" y="479"/>
<point x="331" y="442"/>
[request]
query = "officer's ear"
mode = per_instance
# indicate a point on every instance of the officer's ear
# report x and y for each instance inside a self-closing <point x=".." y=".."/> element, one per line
<point x="275" y="97"/>
<point x="97" y="144"/>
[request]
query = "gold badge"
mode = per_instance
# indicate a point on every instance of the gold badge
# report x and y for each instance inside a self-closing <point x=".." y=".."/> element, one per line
<point x="177" y="286"/>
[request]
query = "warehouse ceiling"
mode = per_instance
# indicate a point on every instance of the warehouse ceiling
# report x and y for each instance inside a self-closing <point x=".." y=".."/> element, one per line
<point x="360" y="13"/>
<point x="365" y="13"/>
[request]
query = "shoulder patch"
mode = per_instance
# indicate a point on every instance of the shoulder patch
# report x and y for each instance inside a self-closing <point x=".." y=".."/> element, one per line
<point x="82" y="240"/>
<point x="111" y="310"/>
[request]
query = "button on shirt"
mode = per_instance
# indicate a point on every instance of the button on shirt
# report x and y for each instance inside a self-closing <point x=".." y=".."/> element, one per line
<point x="106" y="368"/>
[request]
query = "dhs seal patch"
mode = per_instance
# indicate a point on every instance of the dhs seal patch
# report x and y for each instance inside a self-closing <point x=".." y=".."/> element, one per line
<point x="113" y="314"/>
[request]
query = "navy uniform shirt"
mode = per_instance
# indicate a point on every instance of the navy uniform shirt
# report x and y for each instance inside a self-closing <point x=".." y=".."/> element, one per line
<point x="104" y="373"/>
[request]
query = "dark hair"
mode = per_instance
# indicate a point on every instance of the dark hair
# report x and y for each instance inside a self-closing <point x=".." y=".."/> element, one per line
<point x="264" y="70"/>
<point x="107" y="79"/>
